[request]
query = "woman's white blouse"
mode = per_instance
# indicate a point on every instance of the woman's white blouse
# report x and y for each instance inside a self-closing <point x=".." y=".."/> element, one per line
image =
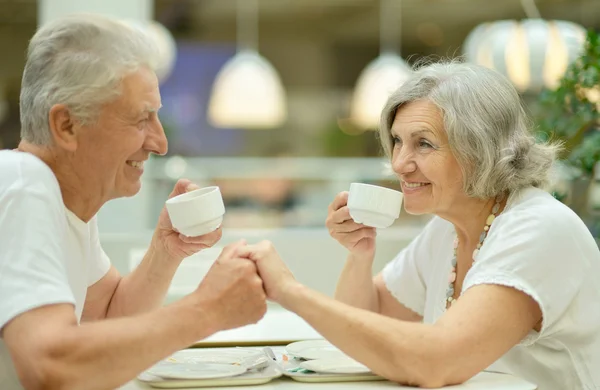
<point x="538" y="246"/>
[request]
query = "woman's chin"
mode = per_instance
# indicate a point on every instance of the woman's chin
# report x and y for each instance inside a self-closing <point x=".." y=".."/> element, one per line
<point x="415" y="210"/>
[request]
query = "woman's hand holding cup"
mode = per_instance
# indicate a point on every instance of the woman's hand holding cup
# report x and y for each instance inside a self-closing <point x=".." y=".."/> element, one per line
<point x="359" y="239"/>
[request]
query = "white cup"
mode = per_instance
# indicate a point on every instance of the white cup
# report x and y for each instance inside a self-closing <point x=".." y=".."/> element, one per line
<point x="374" y="206"/>
<point x="197" y="212"/>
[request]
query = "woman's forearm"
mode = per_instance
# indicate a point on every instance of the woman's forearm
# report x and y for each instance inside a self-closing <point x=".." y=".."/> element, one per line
<point x="355" y="286"/>
<point x="404" y="352"/>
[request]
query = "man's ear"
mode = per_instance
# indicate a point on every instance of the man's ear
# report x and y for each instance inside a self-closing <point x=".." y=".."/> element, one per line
<point x="62" y="127"/>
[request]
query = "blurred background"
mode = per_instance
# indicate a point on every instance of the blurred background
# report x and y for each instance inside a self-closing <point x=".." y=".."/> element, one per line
<point x="275" y="101"/>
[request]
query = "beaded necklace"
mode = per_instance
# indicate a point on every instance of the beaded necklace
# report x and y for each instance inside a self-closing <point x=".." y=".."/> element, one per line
<point x="488" y="223"/>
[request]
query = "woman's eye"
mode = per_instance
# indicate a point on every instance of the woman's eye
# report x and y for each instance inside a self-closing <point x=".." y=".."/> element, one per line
<point x="424" y="144"/>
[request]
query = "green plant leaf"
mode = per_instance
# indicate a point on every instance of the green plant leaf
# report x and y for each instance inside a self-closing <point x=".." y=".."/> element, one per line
<point x="565" y="114"/>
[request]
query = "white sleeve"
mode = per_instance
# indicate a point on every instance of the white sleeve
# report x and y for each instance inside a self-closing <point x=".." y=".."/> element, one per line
<point x="544" y="256"/>
<point x="32" y="269"/>
<point x="100" y="263"/>
<point x="405" y="276"/>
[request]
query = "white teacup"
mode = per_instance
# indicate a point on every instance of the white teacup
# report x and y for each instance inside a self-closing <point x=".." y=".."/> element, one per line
<point x="374" y="206"/>
<point x="197" y="212"/>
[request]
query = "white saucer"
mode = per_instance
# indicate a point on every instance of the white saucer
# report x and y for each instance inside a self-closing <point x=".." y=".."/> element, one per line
<point x="336" y="366"/>
<point x="195" y="370"/>
<point x="314" y="349"/>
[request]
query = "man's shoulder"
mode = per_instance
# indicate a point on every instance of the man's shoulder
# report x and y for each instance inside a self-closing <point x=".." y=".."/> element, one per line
<point x="19" y="170"/>
<point x="12" y="161"/>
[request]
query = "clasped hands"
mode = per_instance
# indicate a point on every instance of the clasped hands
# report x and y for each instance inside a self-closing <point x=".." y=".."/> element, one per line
<point x="241" y="280"/>
<point x="276" y="277"/>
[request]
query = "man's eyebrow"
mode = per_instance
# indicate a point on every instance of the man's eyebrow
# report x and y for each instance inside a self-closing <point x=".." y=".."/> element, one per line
<point x="148" y="109"/>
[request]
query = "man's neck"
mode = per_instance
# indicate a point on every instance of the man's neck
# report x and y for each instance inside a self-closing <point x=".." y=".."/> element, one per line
<point x="78" y="197"/>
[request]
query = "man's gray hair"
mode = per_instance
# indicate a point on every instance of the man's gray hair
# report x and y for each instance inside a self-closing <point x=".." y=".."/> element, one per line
<point x="78" y="61"/>
<point x="488" y="130"/>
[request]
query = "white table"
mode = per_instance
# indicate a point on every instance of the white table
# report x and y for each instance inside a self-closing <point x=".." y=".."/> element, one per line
<point x="277" y="327"/>
<point x="482" y="381"/>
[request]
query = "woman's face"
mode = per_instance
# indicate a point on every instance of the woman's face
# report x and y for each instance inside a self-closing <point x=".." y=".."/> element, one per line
<point x="430" y="176"/>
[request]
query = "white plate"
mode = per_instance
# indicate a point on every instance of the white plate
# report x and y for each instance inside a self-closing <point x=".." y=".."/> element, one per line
<point x="335" y="366"/>
<point x="314" y="349"/>
<point x="195" y="370"/>
<point x="249" y="378"/>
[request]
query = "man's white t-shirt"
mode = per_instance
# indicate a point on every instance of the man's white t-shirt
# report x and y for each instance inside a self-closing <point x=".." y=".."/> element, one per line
<point x="47" y="254"/>
<point x="538" y="246"/>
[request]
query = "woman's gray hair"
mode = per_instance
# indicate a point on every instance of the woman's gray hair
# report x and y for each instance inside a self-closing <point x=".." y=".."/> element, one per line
<point x="488" y="130"/>
<point x="78" y="61"/>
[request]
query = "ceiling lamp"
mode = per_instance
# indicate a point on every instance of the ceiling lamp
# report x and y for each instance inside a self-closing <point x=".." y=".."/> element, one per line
<point x="136" y="14"/>
<point x="167" y="49"/>
<point x="247" y="92"/>
<point x="165" y="45"/>
<point x="383" y="75"/>
<point x="375" y="84"/>
<point x="533" y="53"/>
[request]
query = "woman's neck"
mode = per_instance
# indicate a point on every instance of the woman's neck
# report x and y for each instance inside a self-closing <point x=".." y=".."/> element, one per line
<point x="469" y="218"/>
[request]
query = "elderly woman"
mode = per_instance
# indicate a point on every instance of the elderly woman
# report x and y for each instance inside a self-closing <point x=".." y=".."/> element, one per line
<point x="504" y="277"/>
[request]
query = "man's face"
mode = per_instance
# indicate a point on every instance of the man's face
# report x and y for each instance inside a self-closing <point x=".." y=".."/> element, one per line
<point x="112" y="151"/>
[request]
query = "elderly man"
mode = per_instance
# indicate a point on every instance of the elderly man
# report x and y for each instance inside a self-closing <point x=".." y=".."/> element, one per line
<point x="89" y="104"/>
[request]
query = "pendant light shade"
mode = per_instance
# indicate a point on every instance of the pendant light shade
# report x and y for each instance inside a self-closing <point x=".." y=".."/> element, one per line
<point x="247" y="93"/>
<point x="167" y="49"/>
<point x="383" y="75"/>
<point x="165" y="45"/>
<point x="375" y="84"/>
<point x="533" y="53"/>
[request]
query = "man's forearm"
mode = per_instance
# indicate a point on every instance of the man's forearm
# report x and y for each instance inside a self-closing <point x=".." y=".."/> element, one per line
<point x="145" y="287"/>
<point x="107" y="354"/>
<point x="355" y="285"/>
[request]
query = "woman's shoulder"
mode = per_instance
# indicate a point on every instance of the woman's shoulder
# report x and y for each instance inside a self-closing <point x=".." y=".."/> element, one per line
<point x="535" y="218"/>
<point x="535" y="206"/>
